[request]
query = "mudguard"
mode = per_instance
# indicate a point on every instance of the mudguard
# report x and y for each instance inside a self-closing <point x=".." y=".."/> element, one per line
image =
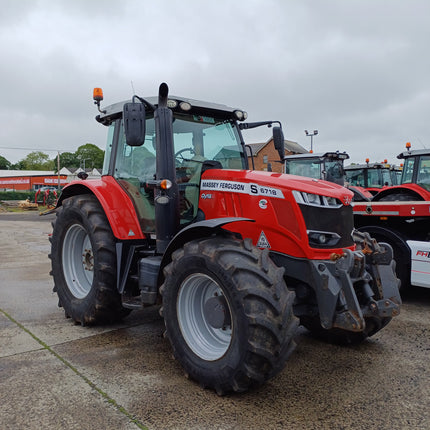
<point x="116" y="204"/>
<point x="197" y="230"/>
<point x="414" y="191"/>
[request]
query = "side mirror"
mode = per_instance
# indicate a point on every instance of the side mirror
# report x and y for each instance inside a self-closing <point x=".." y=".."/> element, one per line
<point x="279" y="141"/>
<point x="134" y="123"/>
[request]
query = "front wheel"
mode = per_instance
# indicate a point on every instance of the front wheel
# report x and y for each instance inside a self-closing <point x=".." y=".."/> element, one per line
<point x="228" y="313"/>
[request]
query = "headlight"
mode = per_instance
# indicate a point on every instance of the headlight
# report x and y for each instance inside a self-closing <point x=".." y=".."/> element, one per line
<point x="316" y="200"/>
<point x="323" y="238"/>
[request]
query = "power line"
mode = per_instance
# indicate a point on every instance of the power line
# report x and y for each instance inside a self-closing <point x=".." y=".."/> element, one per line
<point x="31" y="149"/>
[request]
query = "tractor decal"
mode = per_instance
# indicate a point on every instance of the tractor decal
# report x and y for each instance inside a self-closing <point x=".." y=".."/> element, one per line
<point x="262" y="241"/>
<point x="240" y="187"/>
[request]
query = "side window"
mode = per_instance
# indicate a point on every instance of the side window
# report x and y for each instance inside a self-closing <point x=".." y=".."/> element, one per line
<point x="424" y="171"/>
<point x="408" y="170"/>
<point x="136" y="161"/>
<point x="108" y="150"/>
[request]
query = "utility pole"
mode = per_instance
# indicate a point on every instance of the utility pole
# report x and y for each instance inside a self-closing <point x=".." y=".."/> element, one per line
<point x="314" y="133"/>
<point x="58" y="170"/>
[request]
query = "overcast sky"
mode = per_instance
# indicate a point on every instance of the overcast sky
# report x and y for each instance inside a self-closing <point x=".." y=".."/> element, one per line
<point x="358" y="71"/>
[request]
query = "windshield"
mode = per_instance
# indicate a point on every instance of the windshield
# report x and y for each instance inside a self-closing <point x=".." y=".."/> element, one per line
<point x="355" y="177"/>
<point x="423" y="178"/>
<point x="309" y="168"/>
<point x="334" y="171"/>
<point x="205" y="138"/>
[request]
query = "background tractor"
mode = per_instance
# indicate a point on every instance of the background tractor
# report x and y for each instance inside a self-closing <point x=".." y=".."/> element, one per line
<point x="328" y="166"/>
<point x="415" y="180"/>
<point x="236" y="258"/>
<point x="400" y="215"/>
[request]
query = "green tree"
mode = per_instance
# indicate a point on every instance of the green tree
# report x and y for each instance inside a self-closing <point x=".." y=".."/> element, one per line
<point x="4" y="164"/>
<point x="90" y="155"/>
<point x="19" y="165"/>
<point x="68" y="159"/>
<point x="37" y="160"/>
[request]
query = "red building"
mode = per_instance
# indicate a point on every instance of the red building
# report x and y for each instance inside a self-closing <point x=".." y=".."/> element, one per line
<point x="28" y="180"/>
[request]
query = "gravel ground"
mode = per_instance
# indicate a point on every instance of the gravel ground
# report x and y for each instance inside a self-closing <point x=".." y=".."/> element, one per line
<point x="54" y="374"/>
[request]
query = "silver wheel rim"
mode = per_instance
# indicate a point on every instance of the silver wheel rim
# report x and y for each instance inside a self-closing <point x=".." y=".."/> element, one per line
<point x="78" y="261"/>
<point x="205" y="341"/>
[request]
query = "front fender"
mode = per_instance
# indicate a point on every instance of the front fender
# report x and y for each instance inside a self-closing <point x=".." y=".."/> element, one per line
<point x="116" y="204"/>
<point x="195" y="231"/>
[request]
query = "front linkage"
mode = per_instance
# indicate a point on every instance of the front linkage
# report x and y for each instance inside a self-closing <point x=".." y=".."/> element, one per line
<point x="349" y="297"/>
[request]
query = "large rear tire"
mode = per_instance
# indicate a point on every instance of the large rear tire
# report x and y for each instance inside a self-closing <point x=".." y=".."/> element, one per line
<point x="83" y="261"/>
<point x="228" y="313"/>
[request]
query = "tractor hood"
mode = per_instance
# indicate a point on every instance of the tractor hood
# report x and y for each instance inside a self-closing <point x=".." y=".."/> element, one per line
<point x="270" y="184"/>
<point x="287" y="210"/>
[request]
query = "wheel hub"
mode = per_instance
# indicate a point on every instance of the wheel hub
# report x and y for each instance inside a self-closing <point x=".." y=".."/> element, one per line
<point x="216" y="312"/>
<point x="88" y="259"/>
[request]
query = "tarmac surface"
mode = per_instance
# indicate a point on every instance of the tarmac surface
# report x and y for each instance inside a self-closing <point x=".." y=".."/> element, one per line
<point x="57" y="375"/>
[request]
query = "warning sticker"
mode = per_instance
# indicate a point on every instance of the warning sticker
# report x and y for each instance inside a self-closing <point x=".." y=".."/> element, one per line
<point x="241" y="187"/>
<point x="262" y="241"/>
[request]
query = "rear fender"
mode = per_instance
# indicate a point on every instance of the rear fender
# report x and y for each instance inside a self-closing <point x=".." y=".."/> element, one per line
<point x="116" y="204"/>
<point x="409" y="191"/>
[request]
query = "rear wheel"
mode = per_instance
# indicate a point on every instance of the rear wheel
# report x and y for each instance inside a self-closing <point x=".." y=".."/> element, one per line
<point x="84" y="262"/>
<point x="228" y="313"/>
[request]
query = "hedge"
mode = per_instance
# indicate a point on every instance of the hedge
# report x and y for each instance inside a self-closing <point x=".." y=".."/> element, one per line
<point x="17" y="195"/>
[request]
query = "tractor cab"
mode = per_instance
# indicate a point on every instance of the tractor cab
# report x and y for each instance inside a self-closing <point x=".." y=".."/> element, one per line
<point x="205" y="135"/>
<point x="370" y="176"/>
<point x="415" y="180"/>
<point x="327" y="166"/>
<point x="416" y="168"/>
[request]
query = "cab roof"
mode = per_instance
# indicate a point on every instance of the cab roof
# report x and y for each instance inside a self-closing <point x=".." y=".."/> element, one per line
<point x="322" y="155"/>
<point x="200" y="107"/>
<point x="414" y="152"/>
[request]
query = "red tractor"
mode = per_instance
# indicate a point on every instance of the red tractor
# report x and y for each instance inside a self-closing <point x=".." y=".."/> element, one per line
<point x="328" y="166"/>
<point x="400" y="216"/>
<point x="236" y="258"/>
<point x="415" y="180"/>
<point x="373" y="177"/>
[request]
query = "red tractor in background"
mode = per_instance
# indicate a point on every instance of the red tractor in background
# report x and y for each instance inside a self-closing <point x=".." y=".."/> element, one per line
<point x="236" y="258"/>
<point x="415" y="180"/>
<point x="328" y="166"/>
<point x="46" y="196"/>
<point x="373" y="177"/>
<point x="400" y="216"/>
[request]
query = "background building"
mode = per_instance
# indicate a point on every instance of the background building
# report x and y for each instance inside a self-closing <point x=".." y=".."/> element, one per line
<point x="265" y="154"/>
<point x="28" y="180"/>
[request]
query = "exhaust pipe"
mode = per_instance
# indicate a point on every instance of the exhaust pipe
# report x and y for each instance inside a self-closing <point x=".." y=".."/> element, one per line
<point x="166" y="201"/>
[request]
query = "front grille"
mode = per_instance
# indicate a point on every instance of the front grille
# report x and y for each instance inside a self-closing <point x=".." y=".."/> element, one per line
<point x="331" y="220"/>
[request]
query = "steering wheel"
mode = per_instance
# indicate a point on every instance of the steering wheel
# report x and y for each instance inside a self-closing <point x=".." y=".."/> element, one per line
<point x="179" y="153"/>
